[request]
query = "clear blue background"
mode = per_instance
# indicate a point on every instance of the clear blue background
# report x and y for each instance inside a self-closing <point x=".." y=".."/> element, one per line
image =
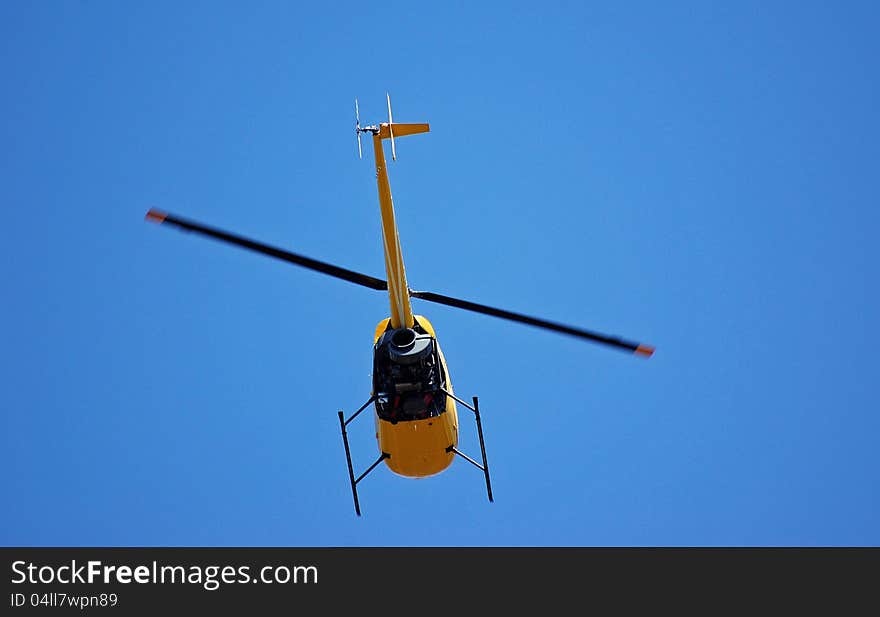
<point x="700" y="176"/>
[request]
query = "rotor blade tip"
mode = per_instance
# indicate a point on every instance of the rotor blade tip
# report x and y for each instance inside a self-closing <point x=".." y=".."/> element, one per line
<point x="155" y="216"/>
<point x="645" y="350"/>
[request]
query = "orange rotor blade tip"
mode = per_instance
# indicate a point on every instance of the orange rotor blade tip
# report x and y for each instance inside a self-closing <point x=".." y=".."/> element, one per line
<point x="155" y="216"/>
<point x="645" y="350"/>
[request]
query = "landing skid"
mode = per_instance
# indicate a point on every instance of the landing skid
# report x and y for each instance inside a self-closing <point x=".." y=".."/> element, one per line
<point x="485" y="466"/>
<point x="354" y="481"/>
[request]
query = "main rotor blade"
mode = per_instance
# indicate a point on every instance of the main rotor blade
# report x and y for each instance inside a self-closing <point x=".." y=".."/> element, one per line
<point x="157" y="216"/>
<point x="613" y="341"/>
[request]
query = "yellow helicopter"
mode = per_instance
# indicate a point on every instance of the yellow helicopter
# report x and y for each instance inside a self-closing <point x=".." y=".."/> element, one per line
<point x="415" y="405"/>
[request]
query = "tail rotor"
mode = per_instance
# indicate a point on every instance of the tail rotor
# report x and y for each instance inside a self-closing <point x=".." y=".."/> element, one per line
<point x="383" y="131"/>
<point x="391" y="128"/>
<point x="357" y="128"/>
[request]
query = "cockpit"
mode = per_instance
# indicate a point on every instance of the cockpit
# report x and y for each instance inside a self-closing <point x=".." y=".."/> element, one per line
<point x="408" y="375"/>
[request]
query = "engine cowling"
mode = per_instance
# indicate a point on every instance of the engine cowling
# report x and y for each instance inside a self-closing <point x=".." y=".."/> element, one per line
<point x="406" y="346"/>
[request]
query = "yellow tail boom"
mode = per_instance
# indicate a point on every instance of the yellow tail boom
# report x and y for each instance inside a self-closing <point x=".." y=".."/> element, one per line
<point x="398" y="291"/>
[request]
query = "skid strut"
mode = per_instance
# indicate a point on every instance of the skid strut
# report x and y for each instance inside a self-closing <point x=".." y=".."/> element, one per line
<point x="354" y="481"/>
<point x="485" y="466"/>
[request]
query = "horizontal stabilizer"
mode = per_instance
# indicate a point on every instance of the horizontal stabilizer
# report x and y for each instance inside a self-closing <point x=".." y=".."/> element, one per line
<point x="401" y="129"/>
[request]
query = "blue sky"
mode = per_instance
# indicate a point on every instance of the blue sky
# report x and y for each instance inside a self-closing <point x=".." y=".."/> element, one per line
<point x="699" y="176"/>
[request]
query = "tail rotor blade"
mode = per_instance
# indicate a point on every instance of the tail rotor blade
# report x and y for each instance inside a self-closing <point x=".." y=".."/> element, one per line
<point x="357" y="128"/>
<point x="391" y="128"/>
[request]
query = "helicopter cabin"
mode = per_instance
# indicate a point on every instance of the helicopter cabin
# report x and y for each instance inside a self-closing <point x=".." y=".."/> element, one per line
<point x="408" y="376"/>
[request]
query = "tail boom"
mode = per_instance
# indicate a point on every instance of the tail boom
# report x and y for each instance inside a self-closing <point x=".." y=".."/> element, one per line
<point x="398" y="291"/>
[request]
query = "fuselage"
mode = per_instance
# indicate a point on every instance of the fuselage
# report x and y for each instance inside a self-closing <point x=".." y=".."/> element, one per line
<point x="416" y="418"/>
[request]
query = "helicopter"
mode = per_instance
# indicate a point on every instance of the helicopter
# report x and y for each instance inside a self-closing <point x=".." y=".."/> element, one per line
<point x="415" y="406"/>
